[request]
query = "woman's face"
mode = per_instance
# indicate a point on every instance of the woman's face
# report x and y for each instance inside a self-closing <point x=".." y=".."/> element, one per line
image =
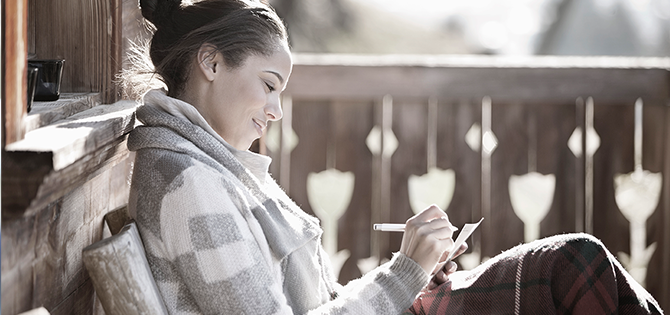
<point x="243" y="100"/>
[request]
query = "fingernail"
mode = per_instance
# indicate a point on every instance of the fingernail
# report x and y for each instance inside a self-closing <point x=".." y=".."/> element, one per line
<point x="453" y="228"/>
<point x="453" y="267"/>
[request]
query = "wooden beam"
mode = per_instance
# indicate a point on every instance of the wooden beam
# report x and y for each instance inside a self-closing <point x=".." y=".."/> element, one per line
<point x="52" y="160"/>
<point x="538" y="79"/>
<point x="46" y="113"/>
<point x="14" y="62"/>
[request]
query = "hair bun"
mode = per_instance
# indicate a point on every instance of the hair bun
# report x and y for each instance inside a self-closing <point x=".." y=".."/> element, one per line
<point x="159" y="12"/>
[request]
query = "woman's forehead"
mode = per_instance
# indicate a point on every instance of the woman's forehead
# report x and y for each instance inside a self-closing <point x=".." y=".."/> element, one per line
<point x="278" y="63"/>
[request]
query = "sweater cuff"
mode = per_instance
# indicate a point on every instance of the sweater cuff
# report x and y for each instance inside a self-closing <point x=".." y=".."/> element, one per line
<point x="409" y="273"/>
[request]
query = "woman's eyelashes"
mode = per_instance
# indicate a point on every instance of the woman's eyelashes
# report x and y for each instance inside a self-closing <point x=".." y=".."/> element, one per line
<point x="271" y="88"/>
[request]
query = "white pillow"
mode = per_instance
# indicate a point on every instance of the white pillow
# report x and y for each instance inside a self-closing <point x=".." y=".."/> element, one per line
<point x="121" y="276"/>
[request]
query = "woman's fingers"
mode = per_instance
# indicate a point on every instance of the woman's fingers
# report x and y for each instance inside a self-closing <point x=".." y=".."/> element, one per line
<point x="427" y="236"/>
<point x="430" y="213"/>
<point x="461" y="250"/>
<point x="440" y="223"/>
<point x="442" y="275"/>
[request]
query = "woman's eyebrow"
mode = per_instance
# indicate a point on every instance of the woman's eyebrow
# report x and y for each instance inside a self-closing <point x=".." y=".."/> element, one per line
<point x="281" y="79"/>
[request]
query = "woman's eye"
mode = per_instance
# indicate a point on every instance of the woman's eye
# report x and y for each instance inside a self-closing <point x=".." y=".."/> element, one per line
<point x="270" y="87"/>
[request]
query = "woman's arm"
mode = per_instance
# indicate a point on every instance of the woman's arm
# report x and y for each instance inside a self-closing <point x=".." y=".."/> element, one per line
<point x="208" y="257"/>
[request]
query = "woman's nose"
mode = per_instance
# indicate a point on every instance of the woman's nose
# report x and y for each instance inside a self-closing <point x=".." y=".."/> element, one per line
<point x="273" y="110"/>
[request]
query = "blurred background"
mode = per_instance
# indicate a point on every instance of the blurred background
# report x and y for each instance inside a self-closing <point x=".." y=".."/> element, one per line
<point x="515" y="27"/>
<point x="542" y="116"/>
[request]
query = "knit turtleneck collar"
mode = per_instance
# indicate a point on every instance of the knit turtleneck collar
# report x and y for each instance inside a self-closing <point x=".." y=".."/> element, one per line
<point x="256" y="163"/>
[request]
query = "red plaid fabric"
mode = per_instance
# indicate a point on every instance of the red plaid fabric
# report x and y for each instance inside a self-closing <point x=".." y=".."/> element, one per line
<point x="563" y="274"/>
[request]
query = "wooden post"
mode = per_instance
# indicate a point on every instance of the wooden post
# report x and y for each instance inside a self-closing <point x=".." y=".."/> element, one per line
<point x="14" y="61"/>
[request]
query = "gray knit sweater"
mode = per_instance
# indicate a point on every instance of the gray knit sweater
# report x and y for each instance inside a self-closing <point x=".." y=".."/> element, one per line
<point x="222" y="238"/>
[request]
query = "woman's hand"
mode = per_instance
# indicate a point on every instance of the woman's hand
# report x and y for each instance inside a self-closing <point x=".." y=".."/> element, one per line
<point x="427" y="237"/>
<point x="442" y="275"/>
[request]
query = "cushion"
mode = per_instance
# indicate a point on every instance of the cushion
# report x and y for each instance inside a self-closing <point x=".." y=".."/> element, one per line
<point x="121" y="276"/>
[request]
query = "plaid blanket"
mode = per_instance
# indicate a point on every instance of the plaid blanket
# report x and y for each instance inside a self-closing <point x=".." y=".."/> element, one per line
<point x="564" y="274"/>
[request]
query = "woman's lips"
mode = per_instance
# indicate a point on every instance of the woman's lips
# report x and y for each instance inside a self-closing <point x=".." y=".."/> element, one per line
<point x="260" y="126"/>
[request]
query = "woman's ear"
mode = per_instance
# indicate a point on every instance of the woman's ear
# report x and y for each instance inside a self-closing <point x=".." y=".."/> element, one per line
<point x="207" y="61"/>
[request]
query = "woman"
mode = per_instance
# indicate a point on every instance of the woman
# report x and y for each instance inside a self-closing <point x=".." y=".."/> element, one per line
<point x="221" y="237"/>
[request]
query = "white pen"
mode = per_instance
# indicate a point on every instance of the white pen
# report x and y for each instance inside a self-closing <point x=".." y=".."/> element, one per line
<point x="389" y="227"/>
<point x="467" y="230"/>
<point x="395" y="227"/>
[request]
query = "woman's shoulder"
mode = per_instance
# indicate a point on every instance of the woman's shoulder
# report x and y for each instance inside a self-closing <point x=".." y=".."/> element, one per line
<point x="171" y="163"/>
<point x="168" y="180"/>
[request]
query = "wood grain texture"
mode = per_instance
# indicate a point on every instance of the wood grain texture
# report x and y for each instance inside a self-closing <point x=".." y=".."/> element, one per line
<point x="410" y="126"/>
<point x="52" y="160"/>
<point x="664" y="291"/>
<point x="615" y="126"/>
<point x="90" y="43"/>
<point x="76" y="136"/>
<point x="56" y="205"/>
<point x="350" y="124"/>
<point x="14" y="56"/>
<point x="556" y="80"/>
<point x="28" y="185"/>
<point x="45" y="113"/>
<point x="656" y="158"/>
<point x="41" y="253"/>
<point x="454" y="120"/>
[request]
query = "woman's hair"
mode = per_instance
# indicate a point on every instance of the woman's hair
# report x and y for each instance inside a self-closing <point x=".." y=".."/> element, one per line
<point x="236" y="28"/>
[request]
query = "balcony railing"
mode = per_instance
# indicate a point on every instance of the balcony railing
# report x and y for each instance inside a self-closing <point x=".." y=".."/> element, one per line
<point x="537" y="146"/>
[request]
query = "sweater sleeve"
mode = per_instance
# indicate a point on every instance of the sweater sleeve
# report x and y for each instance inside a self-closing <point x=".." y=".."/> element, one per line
<point x="219" y="267"/>
<point x="388" y="289"/>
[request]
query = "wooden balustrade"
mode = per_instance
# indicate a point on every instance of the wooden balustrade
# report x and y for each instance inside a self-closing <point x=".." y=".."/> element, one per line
<point x="568" y="122"/>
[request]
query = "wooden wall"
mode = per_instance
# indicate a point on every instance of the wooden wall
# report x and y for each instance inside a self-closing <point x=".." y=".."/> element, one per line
<point x="41" y="253"/>
<point x="51" y="211"/>
<point x="87" y="34"/>
<point x="532" y="106"/>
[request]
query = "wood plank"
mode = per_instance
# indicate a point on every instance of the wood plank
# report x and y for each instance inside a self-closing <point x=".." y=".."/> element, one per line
<point x="42" y="167"/>
<point x="580" y="167"/>
<point x="454" y="120"/>
<point x="664" y="295"/>
<point x="73" y="138"/>
<point x="14" y="76"/>
<point x="479" y="61"/>
<point x="82" y="301"/>
<point x="90" y="44"/>
<point x="41" y="261"/>
<point x="410" y="126"/>
<point x="655" y="155"/>
<point x="510" y="157"/>
<point x="614" y="123"/>
<point x="554" y="124"/>
<point x="111" y="91"/>
<point x="45" y="113"/>
<point x="311" y="152"/>
<point x="377" y="213"/>
<point x="352" y="121"/>
<point x="341" y="145"/>
<point x="449" y="80"/>
<point x="28" y="185"/>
